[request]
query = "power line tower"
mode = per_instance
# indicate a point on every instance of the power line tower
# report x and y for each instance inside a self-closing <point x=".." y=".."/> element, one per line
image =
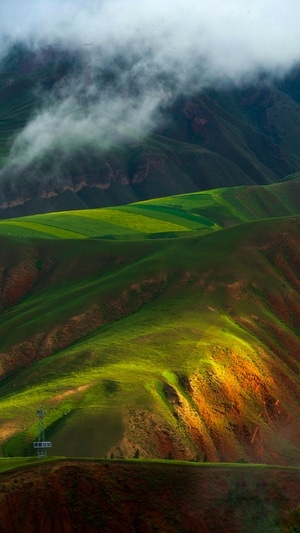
<point x="41" y="444"/>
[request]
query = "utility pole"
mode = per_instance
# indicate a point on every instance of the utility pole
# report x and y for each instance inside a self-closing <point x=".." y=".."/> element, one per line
<point x="41" y="444"/>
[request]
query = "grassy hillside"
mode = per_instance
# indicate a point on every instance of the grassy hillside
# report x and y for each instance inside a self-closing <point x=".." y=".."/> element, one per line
<point x="165" y="217"/>
<point x="184" y="347"/>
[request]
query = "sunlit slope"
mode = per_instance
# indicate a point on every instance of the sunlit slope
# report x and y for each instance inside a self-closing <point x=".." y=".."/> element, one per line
<point x="166" y="217"/>
<point x="233" y="205"/>
<point x="109" y="223"/>
<point x="188" y="347"/>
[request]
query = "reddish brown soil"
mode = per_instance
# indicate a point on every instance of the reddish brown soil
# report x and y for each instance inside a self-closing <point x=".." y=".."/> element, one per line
<point x="145" y="497"/>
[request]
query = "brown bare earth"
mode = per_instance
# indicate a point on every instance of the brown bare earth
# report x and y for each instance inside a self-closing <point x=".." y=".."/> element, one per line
<point x="87" y="496"/>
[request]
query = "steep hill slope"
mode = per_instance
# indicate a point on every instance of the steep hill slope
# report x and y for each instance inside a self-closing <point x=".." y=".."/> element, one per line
<point x="214" y="138"/>
<point x="186" y="347"/>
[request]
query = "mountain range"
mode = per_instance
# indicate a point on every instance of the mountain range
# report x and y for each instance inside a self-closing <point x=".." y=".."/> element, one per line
<point x="150" y="303"/>
<point x="234" y="135"/>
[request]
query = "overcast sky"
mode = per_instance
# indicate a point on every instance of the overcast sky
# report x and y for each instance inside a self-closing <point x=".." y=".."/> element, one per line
<point x="235" y="35"/>
<point x="211" y="40"/>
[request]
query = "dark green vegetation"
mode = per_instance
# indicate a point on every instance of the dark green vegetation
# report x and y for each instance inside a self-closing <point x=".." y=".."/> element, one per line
<point x="94" y="496"/>
<point x="213" y="139"/>
<point x="183" y="347"/>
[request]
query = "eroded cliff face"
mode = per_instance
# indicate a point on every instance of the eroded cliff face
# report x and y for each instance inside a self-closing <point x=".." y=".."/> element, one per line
<point x="99" y="180"/>
<point x="111" y="496"/>
<point x="245" y="408"/>
<point x="40" y="182"/>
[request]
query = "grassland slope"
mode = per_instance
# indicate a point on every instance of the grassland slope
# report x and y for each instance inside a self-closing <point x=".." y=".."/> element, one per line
<point x="165" y="217"/>
<point x="187" y="347"/>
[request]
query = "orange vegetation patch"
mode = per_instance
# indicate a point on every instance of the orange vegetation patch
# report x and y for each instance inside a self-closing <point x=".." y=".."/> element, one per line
<point x="8" y="429"/>
<point x="69" y="392"/>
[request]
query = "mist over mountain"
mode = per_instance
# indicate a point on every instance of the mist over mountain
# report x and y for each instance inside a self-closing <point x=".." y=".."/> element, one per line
<point x="84" y="87"/>
<point x="154" y="334"/>
<point x="235" y="38"/>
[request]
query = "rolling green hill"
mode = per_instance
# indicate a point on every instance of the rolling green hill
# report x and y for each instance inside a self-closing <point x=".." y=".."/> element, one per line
<point x="184" y="347"/>
<point x="165" y="217"/>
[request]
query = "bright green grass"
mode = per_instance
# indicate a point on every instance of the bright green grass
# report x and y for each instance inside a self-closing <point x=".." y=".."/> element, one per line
<point x="118" y="223"/>
<point x="127" y="360"/>
<point x="28" y="228"/>
<point x="78" y="291"/>
<point x="119" y="365"/>
<point x="233" y="205"/>
<point x="132" y="221"/>
<point x="171" y="216"/>
<point x="8" y="464"/>
<point x="13" y="464"/>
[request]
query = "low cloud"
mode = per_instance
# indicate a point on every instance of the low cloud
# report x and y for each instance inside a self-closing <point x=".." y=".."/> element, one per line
<point x="69" y="124"/>
<point x="234" y="36"/>
<point x="153" y="50"/>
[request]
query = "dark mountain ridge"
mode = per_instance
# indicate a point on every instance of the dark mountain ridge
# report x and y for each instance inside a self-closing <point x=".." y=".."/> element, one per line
<point x="212" y="138"/>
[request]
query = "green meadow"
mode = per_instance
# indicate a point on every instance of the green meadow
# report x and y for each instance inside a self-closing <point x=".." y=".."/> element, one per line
<point x="174" y="216"/>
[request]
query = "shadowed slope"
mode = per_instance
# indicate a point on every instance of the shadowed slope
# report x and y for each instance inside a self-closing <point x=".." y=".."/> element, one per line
<point x="106" y="496"/>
